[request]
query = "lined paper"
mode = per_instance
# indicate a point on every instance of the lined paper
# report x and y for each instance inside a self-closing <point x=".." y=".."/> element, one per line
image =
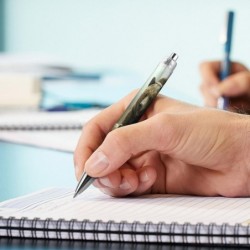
<point x="92" y="205"/>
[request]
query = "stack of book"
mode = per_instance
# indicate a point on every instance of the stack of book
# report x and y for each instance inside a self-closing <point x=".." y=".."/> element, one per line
<point x="20" y="79"/>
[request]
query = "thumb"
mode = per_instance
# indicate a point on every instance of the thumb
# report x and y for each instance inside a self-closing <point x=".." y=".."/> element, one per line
<point x="235" y="85"/>
<point x="160" y="133"/>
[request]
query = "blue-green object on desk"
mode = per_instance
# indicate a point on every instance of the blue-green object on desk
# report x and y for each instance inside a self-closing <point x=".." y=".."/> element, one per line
<point x="69" y="94"/>
<point x="77" y="93"/>
<point x="80" y="76"/>
<point x="70" y="106"/>
<point x="26" y="169"/>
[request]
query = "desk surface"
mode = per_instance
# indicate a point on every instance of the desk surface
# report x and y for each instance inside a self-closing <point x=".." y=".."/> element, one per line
<point x="27" y="169"/>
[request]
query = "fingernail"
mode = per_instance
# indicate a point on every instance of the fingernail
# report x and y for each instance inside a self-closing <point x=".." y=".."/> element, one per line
<point x="143" y="177"/>
<point x="105" y="182"/>
<point x="105" y="191"/>
<point x="97" y="162"/>
<point x="215" y="92"/>
<point x="125" y="185"/>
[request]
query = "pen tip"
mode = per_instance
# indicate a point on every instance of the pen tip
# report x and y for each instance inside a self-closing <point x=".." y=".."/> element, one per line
<point x="75" y="195"/>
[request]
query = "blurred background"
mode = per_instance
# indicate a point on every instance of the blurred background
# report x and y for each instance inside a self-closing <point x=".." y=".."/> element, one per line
<point x="128" y="37"/>
<point x="93" y="52"/>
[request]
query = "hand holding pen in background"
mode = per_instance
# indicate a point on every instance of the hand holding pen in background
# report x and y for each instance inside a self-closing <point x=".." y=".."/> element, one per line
<point x="226" y="84"/>
<point x="236" y="87"/>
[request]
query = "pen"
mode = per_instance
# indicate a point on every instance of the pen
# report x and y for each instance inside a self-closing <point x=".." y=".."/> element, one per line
<point x="226" y="39"/>
<point x="138" y="105"/>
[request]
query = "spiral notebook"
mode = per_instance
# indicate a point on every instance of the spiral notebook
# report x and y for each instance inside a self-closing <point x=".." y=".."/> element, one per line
<point x="54" y="214"/>
<point x="41" y="120"/>
<point x="52" y="130"/>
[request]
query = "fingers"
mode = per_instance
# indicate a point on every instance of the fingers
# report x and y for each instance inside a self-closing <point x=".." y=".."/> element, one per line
<point x="210" y="99"/>
<point x="124" y="143"/>
<point x="234" y="85"/>
<point x="209" y="72"/>
<point x="95" y="131"/>
<point x="211" y="88"/>
<point x="125" y="182"/>
<point x="237" y="67"/>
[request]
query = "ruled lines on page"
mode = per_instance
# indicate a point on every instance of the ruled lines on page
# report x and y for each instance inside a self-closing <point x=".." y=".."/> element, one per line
<point x="93" y="205"/>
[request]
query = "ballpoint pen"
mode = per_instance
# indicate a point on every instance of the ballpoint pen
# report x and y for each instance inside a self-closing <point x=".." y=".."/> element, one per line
<point x="226" y="39"/>
<point x="138" y="105"/>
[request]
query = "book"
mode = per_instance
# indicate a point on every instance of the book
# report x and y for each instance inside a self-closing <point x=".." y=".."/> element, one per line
<point x="33" y="64"/>
<point x="54" y="214"/>
<point x="19" y="90"/>
<point x="21" y="78"/>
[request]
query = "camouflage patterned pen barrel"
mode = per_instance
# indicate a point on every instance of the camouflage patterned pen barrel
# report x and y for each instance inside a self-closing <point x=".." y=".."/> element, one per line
<point x="148" y="92"/>
<point x="138" y="106"/>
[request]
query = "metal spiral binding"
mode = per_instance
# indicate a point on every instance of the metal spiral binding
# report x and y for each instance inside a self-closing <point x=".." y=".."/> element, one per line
<point x="125" y="232"/>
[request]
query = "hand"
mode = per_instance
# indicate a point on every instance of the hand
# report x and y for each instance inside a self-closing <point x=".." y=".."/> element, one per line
<point x="236" y="86"/>
<point x="176" y="148"/>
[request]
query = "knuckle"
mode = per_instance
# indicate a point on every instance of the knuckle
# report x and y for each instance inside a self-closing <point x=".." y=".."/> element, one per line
<point x="160" y="118"/>
<point x="87" y="125"/>
<point x="246" y="77"/>
<point x="118" y="140"/>
<point x="165" y="127"/>
<point x="202" y="65"/>
<point x="202" y="88"/>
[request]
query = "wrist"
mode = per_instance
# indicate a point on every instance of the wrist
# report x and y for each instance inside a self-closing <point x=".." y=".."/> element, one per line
<point x="239" y="139"/>
<point x="242" y="128"/>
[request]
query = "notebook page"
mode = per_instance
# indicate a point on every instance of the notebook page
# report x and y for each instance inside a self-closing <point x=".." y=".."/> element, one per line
<point x="93" y="205"/>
